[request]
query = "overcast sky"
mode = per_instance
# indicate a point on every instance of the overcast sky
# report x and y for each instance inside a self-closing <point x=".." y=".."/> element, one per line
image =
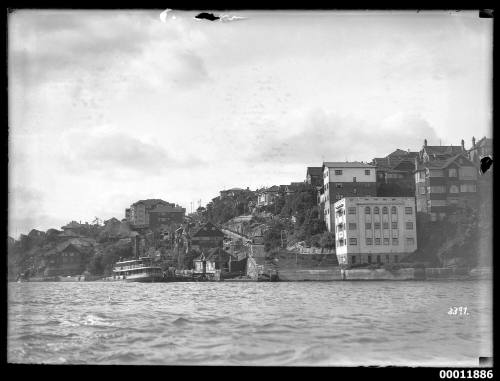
<point x="109" y="107"/>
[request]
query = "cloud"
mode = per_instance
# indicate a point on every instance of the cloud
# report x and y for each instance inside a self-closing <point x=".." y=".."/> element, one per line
<point x="116" y="151"/>
<point x="189" y="69"/>
<point x="52" y="45"/>
<point x="320" y="136"/>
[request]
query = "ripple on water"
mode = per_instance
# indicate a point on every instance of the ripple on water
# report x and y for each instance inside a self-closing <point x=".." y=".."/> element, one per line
<point x="306" y="323"/>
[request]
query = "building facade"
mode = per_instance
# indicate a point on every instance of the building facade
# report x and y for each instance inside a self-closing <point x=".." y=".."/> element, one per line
<point x="139" y="212"/>
<point x="314" y="176"/>
<point x="163" y="216"/>
<point x="267" y="196"/>
<point x="374" y="229"/>
<point x="207" y="236"/>
<point x="443" y="186"/>
<point x="345" y="179"/>
<point x="395" y="173"/>
<point x="484" y="147"/>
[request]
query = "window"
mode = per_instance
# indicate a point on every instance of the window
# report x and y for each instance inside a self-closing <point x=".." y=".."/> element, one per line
<point x="369" y="241"/>
<point x="396" y="259"/>
<point x="376" y="210"/>
<point x="367" y="210"/>
<point x="367" y="172"/>
<point x="409" y="225"/>
<point x="394" y="210"/>
<point x="410" y="241"/>
<point x="453" y="189"/>
<point x="408" y="210"/>
<point x="369" y="259"/>
<point x="387" y="258"/>
<point x="368" y="226"/>
<point x="355" y="191"/>
<point x="452" y="172"/>
<point x="338" y="172"/>
<point x="394" y="225"/>
<point x="353" y="259"/>
<point x="436" y="173"/>
<point x="467" y="187"/>
<point x="385" y="225"/>
<point x="377" y="241"/>
<point x="351" y="210"/>
<point x="338" y="185"/>
<point x="467" y="173"/>
<point x="354" y="179"/>
<point x="377" y="225"/>
<point x="385" y="210"/>
<point x="437" y="189"/>
<point x="352" y="226"/>
<point x="422" y="189"/>
<point x="395" y="241"/>
<point x="378" y="258"/>
<point x="386" y="241"/>
<point x="353" y="241"/>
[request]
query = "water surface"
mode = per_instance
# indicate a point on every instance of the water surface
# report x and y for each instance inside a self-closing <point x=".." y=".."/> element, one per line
<point x="295" y="323"/>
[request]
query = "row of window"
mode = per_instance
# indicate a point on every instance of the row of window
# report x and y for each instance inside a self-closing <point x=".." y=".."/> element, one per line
<point x="453" y="189"/>
<point x="378" y="241"/>
<point x="339" y="172"/>
<point x="376" y="225"/>
<point x="466" y="173"/>
<point x="376" y="210"/>
<point x="369" y="257"/>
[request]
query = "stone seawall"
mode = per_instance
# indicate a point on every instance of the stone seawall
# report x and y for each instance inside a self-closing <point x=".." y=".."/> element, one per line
<point x="380" y="274"/>
<point x="309" y="274"/>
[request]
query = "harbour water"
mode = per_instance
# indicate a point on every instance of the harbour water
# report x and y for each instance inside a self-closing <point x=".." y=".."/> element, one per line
<point x="217" y="323"/>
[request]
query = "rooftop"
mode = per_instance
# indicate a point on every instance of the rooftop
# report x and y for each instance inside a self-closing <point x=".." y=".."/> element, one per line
<point x="315" y="171"/>
<point x="164" y="208"/>
<point x="347" y="164"/>
<point x="152" y="202"/>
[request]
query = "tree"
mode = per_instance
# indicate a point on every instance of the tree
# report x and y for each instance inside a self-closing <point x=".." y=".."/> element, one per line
<point x="327" y="240"/>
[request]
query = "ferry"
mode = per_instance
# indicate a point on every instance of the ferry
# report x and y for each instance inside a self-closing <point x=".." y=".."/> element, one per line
<point x="138" y="270"/>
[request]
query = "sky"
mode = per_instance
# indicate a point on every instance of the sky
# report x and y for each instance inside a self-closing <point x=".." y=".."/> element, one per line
<point x="110" y="107"/>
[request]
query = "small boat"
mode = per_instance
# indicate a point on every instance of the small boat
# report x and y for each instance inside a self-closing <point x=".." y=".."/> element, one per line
<point x="137" y="270"/>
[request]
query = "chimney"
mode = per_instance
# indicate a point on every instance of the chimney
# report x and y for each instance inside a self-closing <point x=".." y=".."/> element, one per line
<point x="473" y="142"/>
<point x="425" y="142"/>
<point x="463" y="145"/>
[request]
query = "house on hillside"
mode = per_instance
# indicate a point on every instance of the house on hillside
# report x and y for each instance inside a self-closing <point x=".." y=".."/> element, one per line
<point x="233" y="192"/>
<point x="397" y="169"/>
<point x="65" y="260"/>
<point x="444" y="185"/>
<point x="162" y="217"/>
<point x="433" y="153"/>
<point x="206" y="236"/>
<point x="480" y="149"/>
<point x="345" y="179"/>
<point x="314" y="176"/>
<point x="71" y="229"/>
<point x="267" y="196"/>
<point x="140" y="211"/>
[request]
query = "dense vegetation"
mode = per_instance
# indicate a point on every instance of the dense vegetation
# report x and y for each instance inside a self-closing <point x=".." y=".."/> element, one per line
<point x="221" y="210"/>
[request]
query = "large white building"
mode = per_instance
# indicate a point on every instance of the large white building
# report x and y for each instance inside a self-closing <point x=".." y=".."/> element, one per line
<point x="345" y="179"/>
<point x="375" y="229"/>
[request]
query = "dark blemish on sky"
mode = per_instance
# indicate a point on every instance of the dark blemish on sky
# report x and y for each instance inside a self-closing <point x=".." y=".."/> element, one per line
<point x="486" y="163"/>
<point x="207" y="16"/>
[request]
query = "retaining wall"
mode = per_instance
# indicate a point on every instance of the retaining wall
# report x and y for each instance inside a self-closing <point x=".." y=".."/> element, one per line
<point x="309" y="274"/>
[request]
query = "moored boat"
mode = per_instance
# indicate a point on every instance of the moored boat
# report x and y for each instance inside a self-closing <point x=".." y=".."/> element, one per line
<point x="137" y="270"/>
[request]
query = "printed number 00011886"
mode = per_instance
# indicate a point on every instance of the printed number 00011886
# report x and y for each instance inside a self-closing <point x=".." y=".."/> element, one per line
<point x="476" y="373"/>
